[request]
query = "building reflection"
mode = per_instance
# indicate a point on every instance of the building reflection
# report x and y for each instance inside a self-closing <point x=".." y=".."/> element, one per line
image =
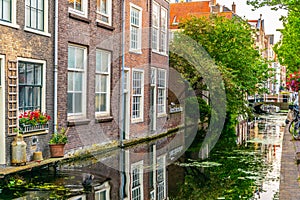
<point x="134" y="173"/>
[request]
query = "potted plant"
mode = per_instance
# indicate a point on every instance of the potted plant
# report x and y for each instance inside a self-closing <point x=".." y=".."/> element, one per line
<point x="57" y="143"/>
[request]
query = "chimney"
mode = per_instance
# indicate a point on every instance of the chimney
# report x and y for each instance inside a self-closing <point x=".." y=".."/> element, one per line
<point x="233" y="8"/>
<point x="213" y="2"/>
<point x="216" y="8"/>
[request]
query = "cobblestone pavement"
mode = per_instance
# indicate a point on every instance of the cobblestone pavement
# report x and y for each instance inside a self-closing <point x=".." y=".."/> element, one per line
<point x="289" y="186"/>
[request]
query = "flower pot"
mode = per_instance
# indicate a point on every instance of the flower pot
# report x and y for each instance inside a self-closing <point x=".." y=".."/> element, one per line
<point x="57" y="150"/>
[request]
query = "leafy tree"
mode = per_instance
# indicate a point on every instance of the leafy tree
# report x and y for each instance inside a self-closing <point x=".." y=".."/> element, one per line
<point x="230" y="43"/>
<point x="291" y="5"/>
<point x="288" y="49"/>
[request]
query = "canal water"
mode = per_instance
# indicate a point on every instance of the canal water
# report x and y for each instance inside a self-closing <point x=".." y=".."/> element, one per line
<point x="165" y="169"/>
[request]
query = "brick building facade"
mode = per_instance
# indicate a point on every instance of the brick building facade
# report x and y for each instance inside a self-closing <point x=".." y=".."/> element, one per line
<point x="88" y="64"/>
<point x="26" y="65"/>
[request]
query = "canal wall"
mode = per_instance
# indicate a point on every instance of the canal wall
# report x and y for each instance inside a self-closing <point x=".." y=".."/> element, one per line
<point x="289" y="171"/>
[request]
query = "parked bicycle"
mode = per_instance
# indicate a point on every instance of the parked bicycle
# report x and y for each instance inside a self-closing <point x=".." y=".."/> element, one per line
<point x="294" y="126"/>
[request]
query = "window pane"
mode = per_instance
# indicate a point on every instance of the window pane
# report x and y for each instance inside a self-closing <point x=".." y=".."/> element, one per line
<point x="105" y="62"/>
<point x="41" y="4"/>
<point x="79" y="58"/>
<point x="70" y="102"/>
<point x="71" y="56"/>
<point x="70" y="81"/>
<point x="33" y="3"/>
<point x="78" y="81"/>
<point x="29" y="74"/>
<point x="36" y="97"/>
<point x="98" y="83"/>
<point x="98" y="61"/>
<point x="40" y="20"/>
<point x="28" y="18"/>
<point x="78" y="5"/>
<point x="97" y="102"/>
<point x="21" y="97"/>
<point x="33" y="19"/>
<point x="22" y="77"/>
<point x="103" y="102"/>
<point x="103" y="84"/>
<point x="6" y="15"/>
<point x="103" y="8"/>
<point x="38" y="74"/>
<point x="78" y="102"/>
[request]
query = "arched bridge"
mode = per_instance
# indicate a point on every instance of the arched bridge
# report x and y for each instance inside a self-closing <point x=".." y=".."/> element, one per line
<point x="281" y="105"/>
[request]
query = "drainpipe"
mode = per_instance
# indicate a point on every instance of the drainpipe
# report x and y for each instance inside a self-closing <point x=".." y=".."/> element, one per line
<point x="122" y="109"/>
<point x="55" y="65"/>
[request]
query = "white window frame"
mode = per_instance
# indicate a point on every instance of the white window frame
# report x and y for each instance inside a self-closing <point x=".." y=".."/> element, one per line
<point x="44" y="67"/>
<point x="84" y="12"/>
<point x="101" y="188"/>
<point x="163" y="88"/>
<point x="139" y="29"/>
<point x="108" y="75"/>
<point x="139" y="166"/>
<point x="108" y="14"/>
<point x="161" y="166"/>
<point x="45" y="22"/>
<point x="13" y="21"/>
<point x="141" y="107"/>
<point x="163" y="31"/>
<point x="127" y="102"/>
<point x="155" y="28"/>
<point x="153" y="83"/>
<point x="84" y="71"/>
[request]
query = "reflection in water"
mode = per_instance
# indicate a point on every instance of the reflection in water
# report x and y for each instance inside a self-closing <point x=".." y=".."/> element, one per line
<point x="159" y="170"/>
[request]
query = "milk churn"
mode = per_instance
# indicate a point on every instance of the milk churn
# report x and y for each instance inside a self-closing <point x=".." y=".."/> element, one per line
<point x="18" y="147"/>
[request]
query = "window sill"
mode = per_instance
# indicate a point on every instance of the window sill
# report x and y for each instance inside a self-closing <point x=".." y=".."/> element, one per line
<point x="78" y="122"/>
<point x="135" y="121"/>
<point x="160" y="53"/>
<point x="79" y="17"/>
<point x="16" y="26"/>
<point x="105" y="26"/>
<point x="162" y="115"/>
<point x="37" y="32"/>
<point x="104" y="119"/>
<point x="135" y="51"/>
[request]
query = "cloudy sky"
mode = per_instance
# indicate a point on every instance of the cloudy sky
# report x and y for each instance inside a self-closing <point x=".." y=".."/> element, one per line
<point x="271" y="17"/>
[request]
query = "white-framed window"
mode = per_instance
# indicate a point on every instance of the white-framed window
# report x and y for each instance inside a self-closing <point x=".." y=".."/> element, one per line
<point x="102" y="88"/>
<point x="104" y="11"/>
<point x="135" y="28"/>
<point x="161" y="89"/>
<point x="137" y="181"/>
<point x="8" y="13"/>
<point x="79" y="7"/>
<point x="76" y="80"/>
<point x="31" y="84"/>
<point x="36" y="16"/>
<point x="5" y="10"/>
<point x="155" y="27"/>
<point x="163" y="30"/>
<point x="102" y="192"/>
<point x="30" y="79"/>
<point x="161" y="177"/>
<point x="137" y="96"/>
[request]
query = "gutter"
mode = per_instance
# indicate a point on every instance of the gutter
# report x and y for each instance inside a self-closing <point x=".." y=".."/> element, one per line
<point x="55" y="65"/>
